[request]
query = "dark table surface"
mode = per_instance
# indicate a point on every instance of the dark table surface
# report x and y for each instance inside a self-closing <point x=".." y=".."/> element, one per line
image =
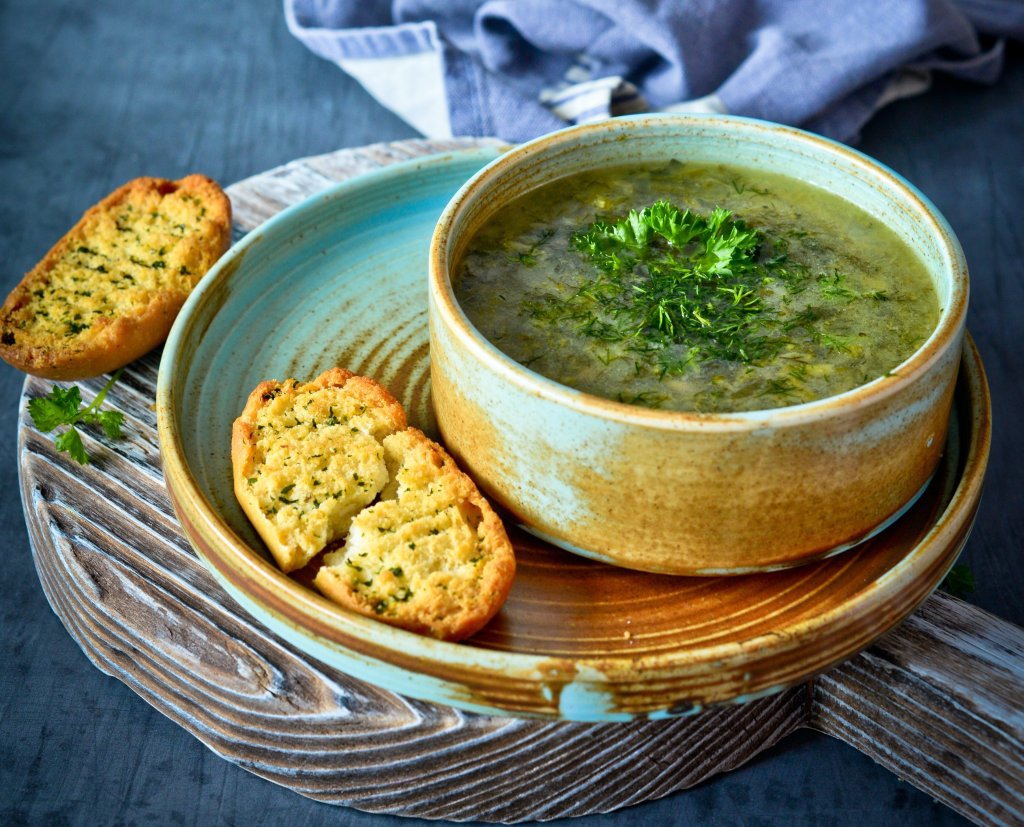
<point x="95" y="93"/>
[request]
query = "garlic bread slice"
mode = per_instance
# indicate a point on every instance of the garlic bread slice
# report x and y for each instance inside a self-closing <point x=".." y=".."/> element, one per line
<point x="431" y="555"/>
<point x="109" y="290"/>
<point x="307" y="457"/>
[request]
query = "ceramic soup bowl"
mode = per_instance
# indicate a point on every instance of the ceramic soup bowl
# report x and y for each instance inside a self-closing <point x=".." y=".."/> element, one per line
<point x="695" y="493"/>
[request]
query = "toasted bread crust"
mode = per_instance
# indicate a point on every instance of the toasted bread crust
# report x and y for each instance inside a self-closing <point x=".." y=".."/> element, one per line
<point x="109" y="290"/>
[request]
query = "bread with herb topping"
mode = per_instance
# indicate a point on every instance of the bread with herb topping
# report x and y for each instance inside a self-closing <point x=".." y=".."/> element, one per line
<point x="431" y="555"/>
<point x="110" y="289"/>
<point x="331" y="465"/>
<point x="306" y="457"/>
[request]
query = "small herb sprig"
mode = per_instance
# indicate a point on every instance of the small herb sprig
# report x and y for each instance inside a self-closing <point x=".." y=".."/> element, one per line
<point x="64" y="407"/>
<point x="668" y="277"/>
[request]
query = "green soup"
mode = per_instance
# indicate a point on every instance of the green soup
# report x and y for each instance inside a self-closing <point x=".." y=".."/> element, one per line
<point x="696" y="288"/>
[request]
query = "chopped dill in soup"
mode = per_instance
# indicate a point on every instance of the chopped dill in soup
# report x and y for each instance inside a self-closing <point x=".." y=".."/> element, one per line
<point x="700" y="288"/>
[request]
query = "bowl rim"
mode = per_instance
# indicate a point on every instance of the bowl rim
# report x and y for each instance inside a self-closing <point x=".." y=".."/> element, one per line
<point x="946" y="334"/>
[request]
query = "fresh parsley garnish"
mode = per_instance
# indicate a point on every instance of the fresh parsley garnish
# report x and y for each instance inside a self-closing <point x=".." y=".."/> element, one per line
<point x="673" y="289"/>
<point x="64" y="407"/>
<point x="668" y="278"/>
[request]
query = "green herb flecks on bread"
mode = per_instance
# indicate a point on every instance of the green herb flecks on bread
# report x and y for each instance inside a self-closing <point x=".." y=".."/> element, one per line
<point x="330" y="465"/>
<point x="307" y="457"/>
<point x="110" y="289"/>
<point x="431" y="556"/>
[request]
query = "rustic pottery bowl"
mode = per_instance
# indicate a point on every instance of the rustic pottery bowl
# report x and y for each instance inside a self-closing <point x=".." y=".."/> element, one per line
<point x="689" y="493"/>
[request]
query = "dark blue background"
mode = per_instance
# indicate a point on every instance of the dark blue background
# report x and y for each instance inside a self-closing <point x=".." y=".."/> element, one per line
<point x="95" y="93"/>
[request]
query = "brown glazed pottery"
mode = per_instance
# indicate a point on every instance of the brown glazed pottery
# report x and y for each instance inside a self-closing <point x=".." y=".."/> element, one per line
<point x="690" y="493"/>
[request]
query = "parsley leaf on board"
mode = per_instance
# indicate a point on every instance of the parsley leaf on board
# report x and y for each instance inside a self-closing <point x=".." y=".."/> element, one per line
<point x="56" y="409"/>
<point x="71" y="442"/>
<point x="64" y="407"/>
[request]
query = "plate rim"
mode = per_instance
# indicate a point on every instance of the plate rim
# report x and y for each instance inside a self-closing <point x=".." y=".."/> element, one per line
<point x="307" y="614"/>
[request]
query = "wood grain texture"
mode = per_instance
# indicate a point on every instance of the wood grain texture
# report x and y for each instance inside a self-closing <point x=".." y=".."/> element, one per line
<point x="940" y="702"/>
<point x="145" y="610"/>
<point x="129" y="589"/>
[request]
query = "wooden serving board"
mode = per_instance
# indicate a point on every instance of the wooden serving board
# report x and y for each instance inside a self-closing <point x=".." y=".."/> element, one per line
<point x="939" y="700"/>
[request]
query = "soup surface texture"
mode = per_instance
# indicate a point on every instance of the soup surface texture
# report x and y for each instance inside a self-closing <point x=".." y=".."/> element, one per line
<point x="696" y="288"/>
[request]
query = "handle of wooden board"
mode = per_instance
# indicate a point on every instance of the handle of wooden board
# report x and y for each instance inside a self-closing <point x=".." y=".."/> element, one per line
<point x="940" y="702"/>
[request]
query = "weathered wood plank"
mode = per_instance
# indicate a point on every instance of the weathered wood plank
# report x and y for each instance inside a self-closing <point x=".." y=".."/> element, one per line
<point x="940" y="702"/>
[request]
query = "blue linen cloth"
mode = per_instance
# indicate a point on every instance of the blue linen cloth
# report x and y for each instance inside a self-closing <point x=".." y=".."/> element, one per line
<point x="515" y="69"/>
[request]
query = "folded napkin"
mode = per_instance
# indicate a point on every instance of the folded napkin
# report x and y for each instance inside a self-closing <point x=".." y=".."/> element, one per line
<point x="516" y="69"/>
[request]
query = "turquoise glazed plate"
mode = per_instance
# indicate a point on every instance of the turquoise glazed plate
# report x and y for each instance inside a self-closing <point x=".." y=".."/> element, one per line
<point x="341" y="279"/>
